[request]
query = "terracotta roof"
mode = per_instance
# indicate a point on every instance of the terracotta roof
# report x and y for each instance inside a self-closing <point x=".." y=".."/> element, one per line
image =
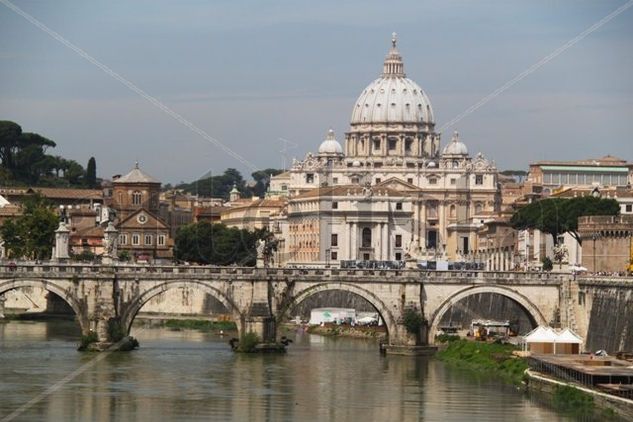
<point x="607" y="159"/>
<point x="354" y="190"/>
<point x="136" y="175"/>
<point x="58" y="193"/>
<point x="259" y="203"/>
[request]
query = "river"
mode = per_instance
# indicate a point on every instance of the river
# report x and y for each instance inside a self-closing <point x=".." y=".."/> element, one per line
<point x="190" y="375"/>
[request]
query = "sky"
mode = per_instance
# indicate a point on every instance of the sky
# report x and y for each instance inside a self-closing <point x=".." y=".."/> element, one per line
<point x="268" y="79"/>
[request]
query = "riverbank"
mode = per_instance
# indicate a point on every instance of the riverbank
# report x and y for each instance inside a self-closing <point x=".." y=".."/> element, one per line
<point x="490" y="358"/>
<point x="333" y="330"/>
<point x="498" y="360"/>
<point x="193" y="324"/>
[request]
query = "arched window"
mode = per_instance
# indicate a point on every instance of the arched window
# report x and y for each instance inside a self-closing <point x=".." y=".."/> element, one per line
<point x="366" y="238"/>
<point x="137" y="198"/>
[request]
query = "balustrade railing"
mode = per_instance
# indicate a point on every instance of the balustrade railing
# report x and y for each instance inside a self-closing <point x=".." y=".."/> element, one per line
<point x="379" y="274"/>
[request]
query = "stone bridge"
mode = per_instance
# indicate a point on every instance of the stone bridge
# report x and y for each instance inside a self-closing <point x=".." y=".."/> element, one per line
<point x="260" y="298"/>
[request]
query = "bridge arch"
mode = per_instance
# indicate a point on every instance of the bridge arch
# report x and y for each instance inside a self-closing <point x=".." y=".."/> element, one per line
<point x="375" y="301"/>
<point x="532" y="310"/>
<point x="55" y="288"/>
<point x="130" y="311"/>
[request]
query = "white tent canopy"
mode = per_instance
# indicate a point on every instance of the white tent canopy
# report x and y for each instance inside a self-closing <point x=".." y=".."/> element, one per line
<point x="568" y="336"/>
<point x="541" y="335"/>
<point x="547" y="335"/>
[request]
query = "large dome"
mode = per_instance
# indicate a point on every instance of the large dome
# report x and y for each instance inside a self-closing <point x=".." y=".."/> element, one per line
<point x="393" y="98"/>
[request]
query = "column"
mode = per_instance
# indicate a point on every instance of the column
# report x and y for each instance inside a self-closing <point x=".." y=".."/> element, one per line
<point x="354" y="241"/>
<point x="385" y="243"/>
<point x="381" y="241"/>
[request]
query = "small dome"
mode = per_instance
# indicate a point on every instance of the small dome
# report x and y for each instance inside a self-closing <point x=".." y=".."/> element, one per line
<point x="356" y="163"/>
<point x="455" y="147"/>
<point x="330" y="146"/>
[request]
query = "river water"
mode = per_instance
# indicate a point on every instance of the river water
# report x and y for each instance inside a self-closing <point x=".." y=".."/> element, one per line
<point x="189" y="375"/>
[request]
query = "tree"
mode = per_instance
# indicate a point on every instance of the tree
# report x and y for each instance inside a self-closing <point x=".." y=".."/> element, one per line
<point x="32" y="234"/>
<point x="262" y="180"/>
<point x="91" y="173"/>
<point x="24" y="160"/>
<point x="216" y="186"/>
<point x="559" y="215"/>
<point x="217" y="244"/>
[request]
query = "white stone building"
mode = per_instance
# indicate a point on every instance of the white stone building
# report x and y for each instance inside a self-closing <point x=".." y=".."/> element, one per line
<point x="391" y="191"/>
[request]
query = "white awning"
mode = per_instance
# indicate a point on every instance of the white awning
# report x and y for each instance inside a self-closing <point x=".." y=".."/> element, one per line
<point x="541" y="334"/>
<point x="568" y="336"/>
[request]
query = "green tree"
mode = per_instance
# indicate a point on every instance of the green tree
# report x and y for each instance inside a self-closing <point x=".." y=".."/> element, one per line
<point x="559" y="215"/>
<point x="216" y="244"/>
<point x="91" y="173"/>
<point x="23" y="154"/>
<point x="32" y="234"/>
<point x="262" y="180"/>
<point x="216" y="186"/>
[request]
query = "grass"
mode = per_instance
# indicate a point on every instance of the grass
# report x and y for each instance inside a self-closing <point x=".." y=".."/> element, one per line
<point x="491" y="358"/>
<point x="571" y="400"/>
<point x="200" y="325"/>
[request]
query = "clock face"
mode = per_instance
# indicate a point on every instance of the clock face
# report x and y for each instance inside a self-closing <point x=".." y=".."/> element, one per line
<point x="142" y="218"/>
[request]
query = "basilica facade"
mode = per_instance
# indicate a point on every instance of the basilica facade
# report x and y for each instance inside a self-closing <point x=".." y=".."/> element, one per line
<point x="392" y="192"/>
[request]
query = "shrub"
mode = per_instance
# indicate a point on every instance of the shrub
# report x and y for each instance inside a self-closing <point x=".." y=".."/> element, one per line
<point x="248" y="343"/>
<point x="570" y="399"/>
<point x="115" y="330"/>
<point x="413" y="321"/>
<point x="446" y="338"/>
<point x="87" y="340"/>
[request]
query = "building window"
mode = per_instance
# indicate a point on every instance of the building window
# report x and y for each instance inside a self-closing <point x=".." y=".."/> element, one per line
<point x="398" y="241"/>
<point x="398" y="256"/>
<point x="479" y="179"/>
<point x="378" y="180"/>
<point x="376" y="144"/>
<point x="455" y="164"/>
<point x="137" y="198"/>
<point x="355" y="180"/>
<point x="408" y="144"/>
<point x="148" y="239"/>
<point x="334" y="205"/>
<point x="453" y="181"/>
<point x="284" y="187"/>
<point x="334" y="240"/>
<point x="310" y="178"/>
<point x="366" y="238"/>
<point x="410" y="180"/>
<point x="136" y="239"/>
<point x="432" y="181"/>
<point x="335" y="180"/>
<point x="120" y="197"/>
<point x="629" y="208"/>
<point x="399" y="206"/>
<point x="392" y="144"/>
<point x="452" y="211"/>
<point x="334" y="256"/>
<point x="123" y="239"/>
<point x="366" y="256"/>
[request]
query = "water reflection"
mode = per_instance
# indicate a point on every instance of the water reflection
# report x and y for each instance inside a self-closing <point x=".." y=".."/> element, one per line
<point x="188" y="375"/>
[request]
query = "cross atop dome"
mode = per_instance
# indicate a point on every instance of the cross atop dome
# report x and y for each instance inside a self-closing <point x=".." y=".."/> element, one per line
<point x="393" y="66"/>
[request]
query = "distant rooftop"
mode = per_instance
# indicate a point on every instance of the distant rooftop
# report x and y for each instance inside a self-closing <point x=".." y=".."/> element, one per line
<point x="136" y="176"/>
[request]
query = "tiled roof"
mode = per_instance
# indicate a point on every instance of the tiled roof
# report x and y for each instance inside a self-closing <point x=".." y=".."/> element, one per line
<point x="344" y="190"/>
<point x="136" y="176"/>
